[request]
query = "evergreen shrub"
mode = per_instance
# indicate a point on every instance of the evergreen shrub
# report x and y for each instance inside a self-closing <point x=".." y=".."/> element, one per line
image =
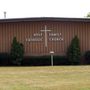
<point x="17" y="52"/>
<point x="73" y="52"/>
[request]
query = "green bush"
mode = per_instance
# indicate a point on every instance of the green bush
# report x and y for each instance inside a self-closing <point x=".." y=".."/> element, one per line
<point x="4" y="59"/>
<point x="44" y="60"/>
<point x="17" y="52"/>
<point x="60" y="60"/>
<point x="36" y="61"/>
<point x="87" y="57"/>
<point x="73" y="52"/>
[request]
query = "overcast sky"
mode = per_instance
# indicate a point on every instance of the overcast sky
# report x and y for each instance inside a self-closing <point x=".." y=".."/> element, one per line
<point x="44" y="8"/>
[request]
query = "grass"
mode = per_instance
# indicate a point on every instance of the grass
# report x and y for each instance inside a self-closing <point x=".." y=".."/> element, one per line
<point x="45" y="78"/>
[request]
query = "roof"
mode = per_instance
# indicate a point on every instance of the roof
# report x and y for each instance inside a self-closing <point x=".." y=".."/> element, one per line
<point x="45" y="19"/>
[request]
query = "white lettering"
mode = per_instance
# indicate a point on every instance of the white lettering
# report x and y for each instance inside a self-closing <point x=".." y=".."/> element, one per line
<point x="54" y="34"/>
<point x="55" y="39"/>
<point x="48" y="36"/>
<point x="37" y="34"/>
<point x="34" y="39"/>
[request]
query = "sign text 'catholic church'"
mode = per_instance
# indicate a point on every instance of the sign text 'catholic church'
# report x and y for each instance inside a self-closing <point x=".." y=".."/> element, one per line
<point x="48" y="36"/>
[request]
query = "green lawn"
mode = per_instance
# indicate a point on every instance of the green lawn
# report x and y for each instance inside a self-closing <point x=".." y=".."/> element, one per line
<point x="45" y="78"/>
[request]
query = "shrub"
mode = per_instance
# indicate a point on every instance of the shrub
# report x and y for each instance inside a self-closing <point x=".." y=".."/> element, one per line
<point x="87" y="57"/>
<point x="4" y="59"/>
<point x="44" y="60"/>
<point x="73" y="52"/>
<point x="60" y="60"/>
<point x="36" y="61"/>
<point x="17" y="52"/>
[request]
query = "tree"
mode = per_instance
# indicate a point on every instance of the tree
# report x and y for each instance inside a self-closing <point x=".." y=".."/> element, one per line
<point x="73" y="52"/>
<point x="88" y="15"/>
<point x="17" y="52"/>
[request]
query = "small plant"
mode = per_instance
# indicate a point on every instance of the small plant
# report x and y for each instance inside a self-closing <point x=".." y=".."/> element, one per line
<point x="73" y="53"/>
<point x="17" y="52"/>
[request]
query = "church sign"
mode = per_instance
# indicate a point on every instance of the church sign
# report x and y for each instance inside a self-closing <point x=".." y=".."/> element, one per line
<point x="48" y="36"/>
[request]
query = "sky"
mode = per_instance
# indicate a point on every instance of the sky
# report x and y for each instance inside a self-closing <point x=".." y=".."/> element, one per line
<point x="44" y="8"/>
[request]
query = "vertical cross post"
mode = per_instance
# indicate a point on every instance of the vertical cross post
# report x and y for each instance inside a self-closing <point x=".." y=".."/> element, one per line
<point x="45" y="33"/>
